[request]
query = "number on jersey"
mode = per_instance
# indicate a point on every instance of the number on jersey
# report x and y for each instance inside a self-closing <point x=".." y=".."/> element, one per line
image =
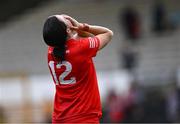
<point x="61" y="77"/>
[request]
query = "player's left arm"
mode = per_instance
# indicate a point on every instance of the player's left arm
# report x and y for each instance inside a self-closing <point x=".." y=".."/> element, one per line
<point x="84" y="34"/>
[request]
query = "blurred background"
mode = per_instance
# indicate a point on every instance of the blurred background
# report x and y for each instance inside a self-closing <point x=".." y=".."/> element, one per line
<point x="138" y="72"/>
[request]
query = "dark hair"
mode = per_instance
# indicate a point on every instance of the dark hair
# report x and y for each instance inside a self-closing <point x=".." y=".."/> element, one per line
<point x="55" y="35"/>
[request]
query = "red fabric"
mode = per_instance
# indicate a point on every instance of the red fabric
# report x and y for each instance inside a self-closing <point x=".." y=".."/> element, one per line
<point x="79" y="100"/>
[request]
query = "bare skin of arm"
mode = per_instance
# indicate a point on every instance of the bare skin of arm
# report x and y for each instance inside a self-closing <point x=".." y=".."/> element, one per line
<point x="85" y="30"/>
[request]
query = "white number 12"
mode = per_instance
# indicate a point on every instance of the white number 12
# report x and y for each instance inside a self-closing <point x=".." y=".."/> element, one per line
<point x="68" y="70"/>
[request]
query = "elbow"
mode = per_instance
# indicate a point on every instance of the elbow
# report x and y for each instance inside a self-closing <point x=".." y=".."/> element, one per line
<point x="111" y="34"/>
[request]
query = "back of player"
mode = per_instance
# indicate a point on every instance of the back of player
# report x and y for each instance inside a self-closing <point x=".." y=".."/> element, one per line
<point x="70" y="62"/>
<point x="77" y="95"/>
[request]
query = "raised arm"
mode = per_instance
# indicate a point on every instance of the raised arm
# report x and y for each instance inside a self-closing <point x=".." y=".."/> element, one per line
<point x="104" y="34"/>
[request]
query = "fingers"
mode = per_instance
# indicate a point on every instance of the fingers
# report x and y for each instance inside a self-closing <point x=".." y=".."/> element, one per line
<point x="74" y="28"/>
<point x="75" y="24"/>
<point x="73" y="21"/>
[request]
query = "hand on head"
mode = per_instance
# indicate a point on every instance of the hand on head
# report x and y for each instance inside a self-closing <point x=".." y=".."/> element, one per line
<point x="75" y="24"/>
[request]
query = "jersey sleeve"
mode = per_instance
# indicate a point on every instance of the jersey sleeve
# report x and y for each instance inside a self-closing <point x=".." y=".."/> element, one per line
<point x="89" y="46"/>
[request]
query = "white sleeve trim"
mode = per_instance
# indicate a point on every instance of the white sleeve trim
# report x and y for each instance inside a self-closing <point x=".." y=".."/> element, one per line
<point x="93" y="42"/>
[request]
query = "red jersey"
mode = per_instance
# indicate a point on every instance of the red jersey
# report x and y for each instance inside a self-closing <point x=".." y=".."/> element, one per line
<point x="77" y="96"/>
